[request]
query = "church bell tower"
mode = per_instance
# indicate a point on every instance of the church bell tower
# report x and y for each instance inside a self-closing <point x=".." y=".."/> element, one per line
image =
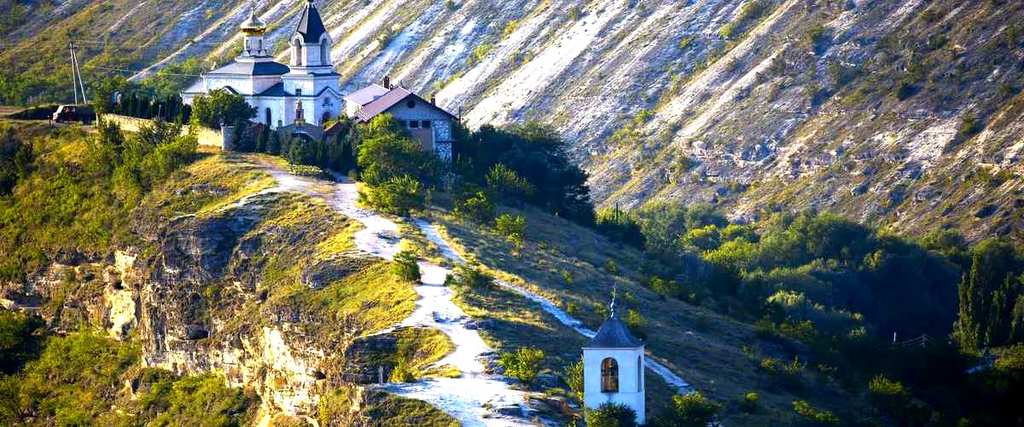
<point x="613" y="368"/>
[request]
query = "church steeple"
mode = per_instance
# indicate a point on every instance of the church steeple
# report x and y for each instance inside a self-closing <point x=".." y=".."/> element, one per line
<point x="253" y="30"/>
<point x="311" y="43"/>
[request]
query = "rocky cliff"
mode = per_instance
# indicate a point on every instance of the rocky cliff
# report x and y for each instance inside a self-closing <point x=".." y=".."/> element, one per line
<point x="231" y="277"/>
<point x="892" y="112"/>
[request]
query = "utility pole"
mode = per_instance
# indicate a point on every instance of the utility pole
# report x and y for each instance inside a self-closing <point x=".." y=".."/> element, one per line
<point x="81" y="82"/>
<point x="74" y="72"/>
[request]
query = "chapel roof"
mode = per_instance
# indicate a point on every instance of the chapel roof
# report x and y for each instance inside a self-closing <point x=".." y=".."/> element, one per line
<point x="311" y="27"/>
<point x="614" y="334"/>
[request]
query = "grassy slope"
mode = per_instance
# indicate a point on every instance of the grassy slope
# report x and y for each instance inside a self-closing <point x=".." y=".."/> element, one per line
<point x="366" y="299"/>
<point x="719" y="356"/>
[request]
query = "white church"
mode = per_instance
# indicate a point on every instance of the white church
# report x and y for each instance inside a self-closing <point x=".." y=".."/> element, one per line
<point x="306" y="90"/>
<point x="305" y="94"/>
<point x="613" y="368"/>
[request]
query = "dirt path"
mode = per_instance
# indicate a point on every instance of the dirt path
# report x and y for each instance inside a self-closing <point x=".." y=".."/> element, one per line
<point x="476" y="398"/>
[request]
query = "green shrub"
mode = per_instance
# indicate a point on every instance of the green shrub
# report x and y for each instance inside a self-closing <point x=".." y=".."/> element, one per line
<point x="469" y="277"/>
<point x="573" y="376"/>
<point x="522" y="364"/>
<point x="406" y="266"/>
<point x="402" y="373"/>
<point x="702" y="239"/>
<point x="611" y="415"/>
<point x="814" y="415"/>
<point x="691" y="410"/>
<point x="788" y="375"/>
<point x="398" y="195"/>
<point x="200" y="400"/>
<point x="475" y="206"/>
<point x="512" y="227"/>
<point x="507" y="184"/>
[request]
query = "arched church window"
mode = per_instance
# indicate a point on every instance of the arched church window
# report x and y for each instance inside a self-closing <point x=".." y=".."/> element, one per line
<point x="325" y="52"/>
<point x="296" y="52"/>
<point x="325" y="117"/>
<point x="269" y="117"/>
<point x="609" y="376"/>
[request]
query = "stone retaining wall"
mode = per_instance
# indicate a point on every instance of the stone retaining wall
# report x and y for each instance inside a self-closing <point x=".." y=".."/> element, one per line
<point x="222" y="139"/>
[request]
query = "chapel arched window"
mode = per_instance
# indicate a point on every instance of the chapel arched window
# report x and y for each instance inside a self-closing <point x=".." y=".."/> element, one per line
<point x="609" y="376"/>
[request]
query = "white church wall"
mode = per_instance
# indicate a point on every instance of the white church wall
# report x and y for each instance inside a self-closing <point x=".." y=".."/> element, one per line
<point x="631" y="379"/>
<point x="262" y="83"/>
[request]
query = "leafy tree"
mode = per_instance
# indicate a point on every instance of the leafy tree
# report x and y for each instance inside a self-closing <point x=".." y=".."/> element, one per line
<point x="406" y="266"/>
<point x="522" y="364"/>
<point x="989" y="295"/>
<point x="701" y="239"/>
<point x="397" y="195"/>
<point x="221" y="107"/>
<point x="536" y="154"/>
<point x="385" y="152"/>
<point x="611" y="415"/>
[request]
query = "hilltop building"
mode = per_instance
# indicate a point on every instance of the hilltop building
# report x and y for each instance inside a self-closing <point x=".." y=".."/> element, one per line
<point x="426" y="122"/>
<point x="613" y="368"/>
<point x="304" y="93"/>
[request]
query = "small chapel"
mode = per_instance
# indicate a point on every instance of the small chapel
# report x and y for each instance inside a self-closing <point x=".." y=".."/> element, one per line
<point x="613" y="368"/>
<point x="304" y="92"/>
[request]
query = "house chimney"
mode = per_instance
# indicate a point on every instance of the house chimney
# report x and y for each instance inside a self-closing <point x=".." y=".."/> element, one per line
<point x="387" y="82"/>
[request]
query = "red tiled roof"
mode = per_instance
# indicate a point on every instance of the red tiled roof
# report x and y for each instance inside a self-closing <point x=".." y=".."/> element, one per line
<point x="390" y="99"/>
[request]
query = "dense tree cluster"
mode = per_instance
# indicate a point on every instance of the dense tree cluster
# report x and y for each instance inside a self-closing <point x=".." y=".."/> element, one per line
<point x="845" y="291"/>
<point x="992" y="297"/>
<point x="80" y="203"/>
<point x="524" y="163"/>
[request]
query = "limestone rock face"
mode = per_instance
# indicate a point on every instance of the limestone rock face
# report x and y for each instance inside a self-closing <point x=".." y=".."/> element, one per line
<point x="197" y="302"/>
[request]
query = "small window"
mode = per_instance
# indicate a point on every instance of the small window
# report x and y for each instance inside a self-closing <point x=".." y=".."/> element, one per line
<point x="415" y="124"/>
<point x="609" y="376"/>
<point x="298" y="92"/>
<point x="401" y="122"/>
<point x="426" y="124"/>
<point x="411" y="103"/>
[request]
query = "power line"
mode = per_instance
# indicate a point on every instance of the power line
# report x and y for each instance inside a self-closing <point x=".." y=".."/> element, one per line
<point x="125" y="70"/>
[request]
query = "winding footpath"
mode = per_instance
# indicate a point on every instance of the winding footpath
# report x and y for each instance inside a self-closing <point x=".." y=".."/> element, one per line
<point x="475" y="397"/>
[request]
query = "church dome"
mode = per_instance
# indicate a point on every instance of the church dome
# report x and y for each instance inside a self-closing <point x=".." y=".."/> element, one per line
<point x="254" y="25"/>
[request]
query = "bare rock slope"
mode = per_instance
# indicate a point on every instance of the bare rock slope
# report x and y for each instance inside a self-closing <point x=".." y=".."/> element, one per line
<point x="891" y="112"/>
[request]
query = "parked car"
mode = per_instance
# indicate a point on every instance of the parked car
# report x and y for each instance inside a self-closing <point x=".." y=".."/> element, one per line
<point x="74" y="113"/>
